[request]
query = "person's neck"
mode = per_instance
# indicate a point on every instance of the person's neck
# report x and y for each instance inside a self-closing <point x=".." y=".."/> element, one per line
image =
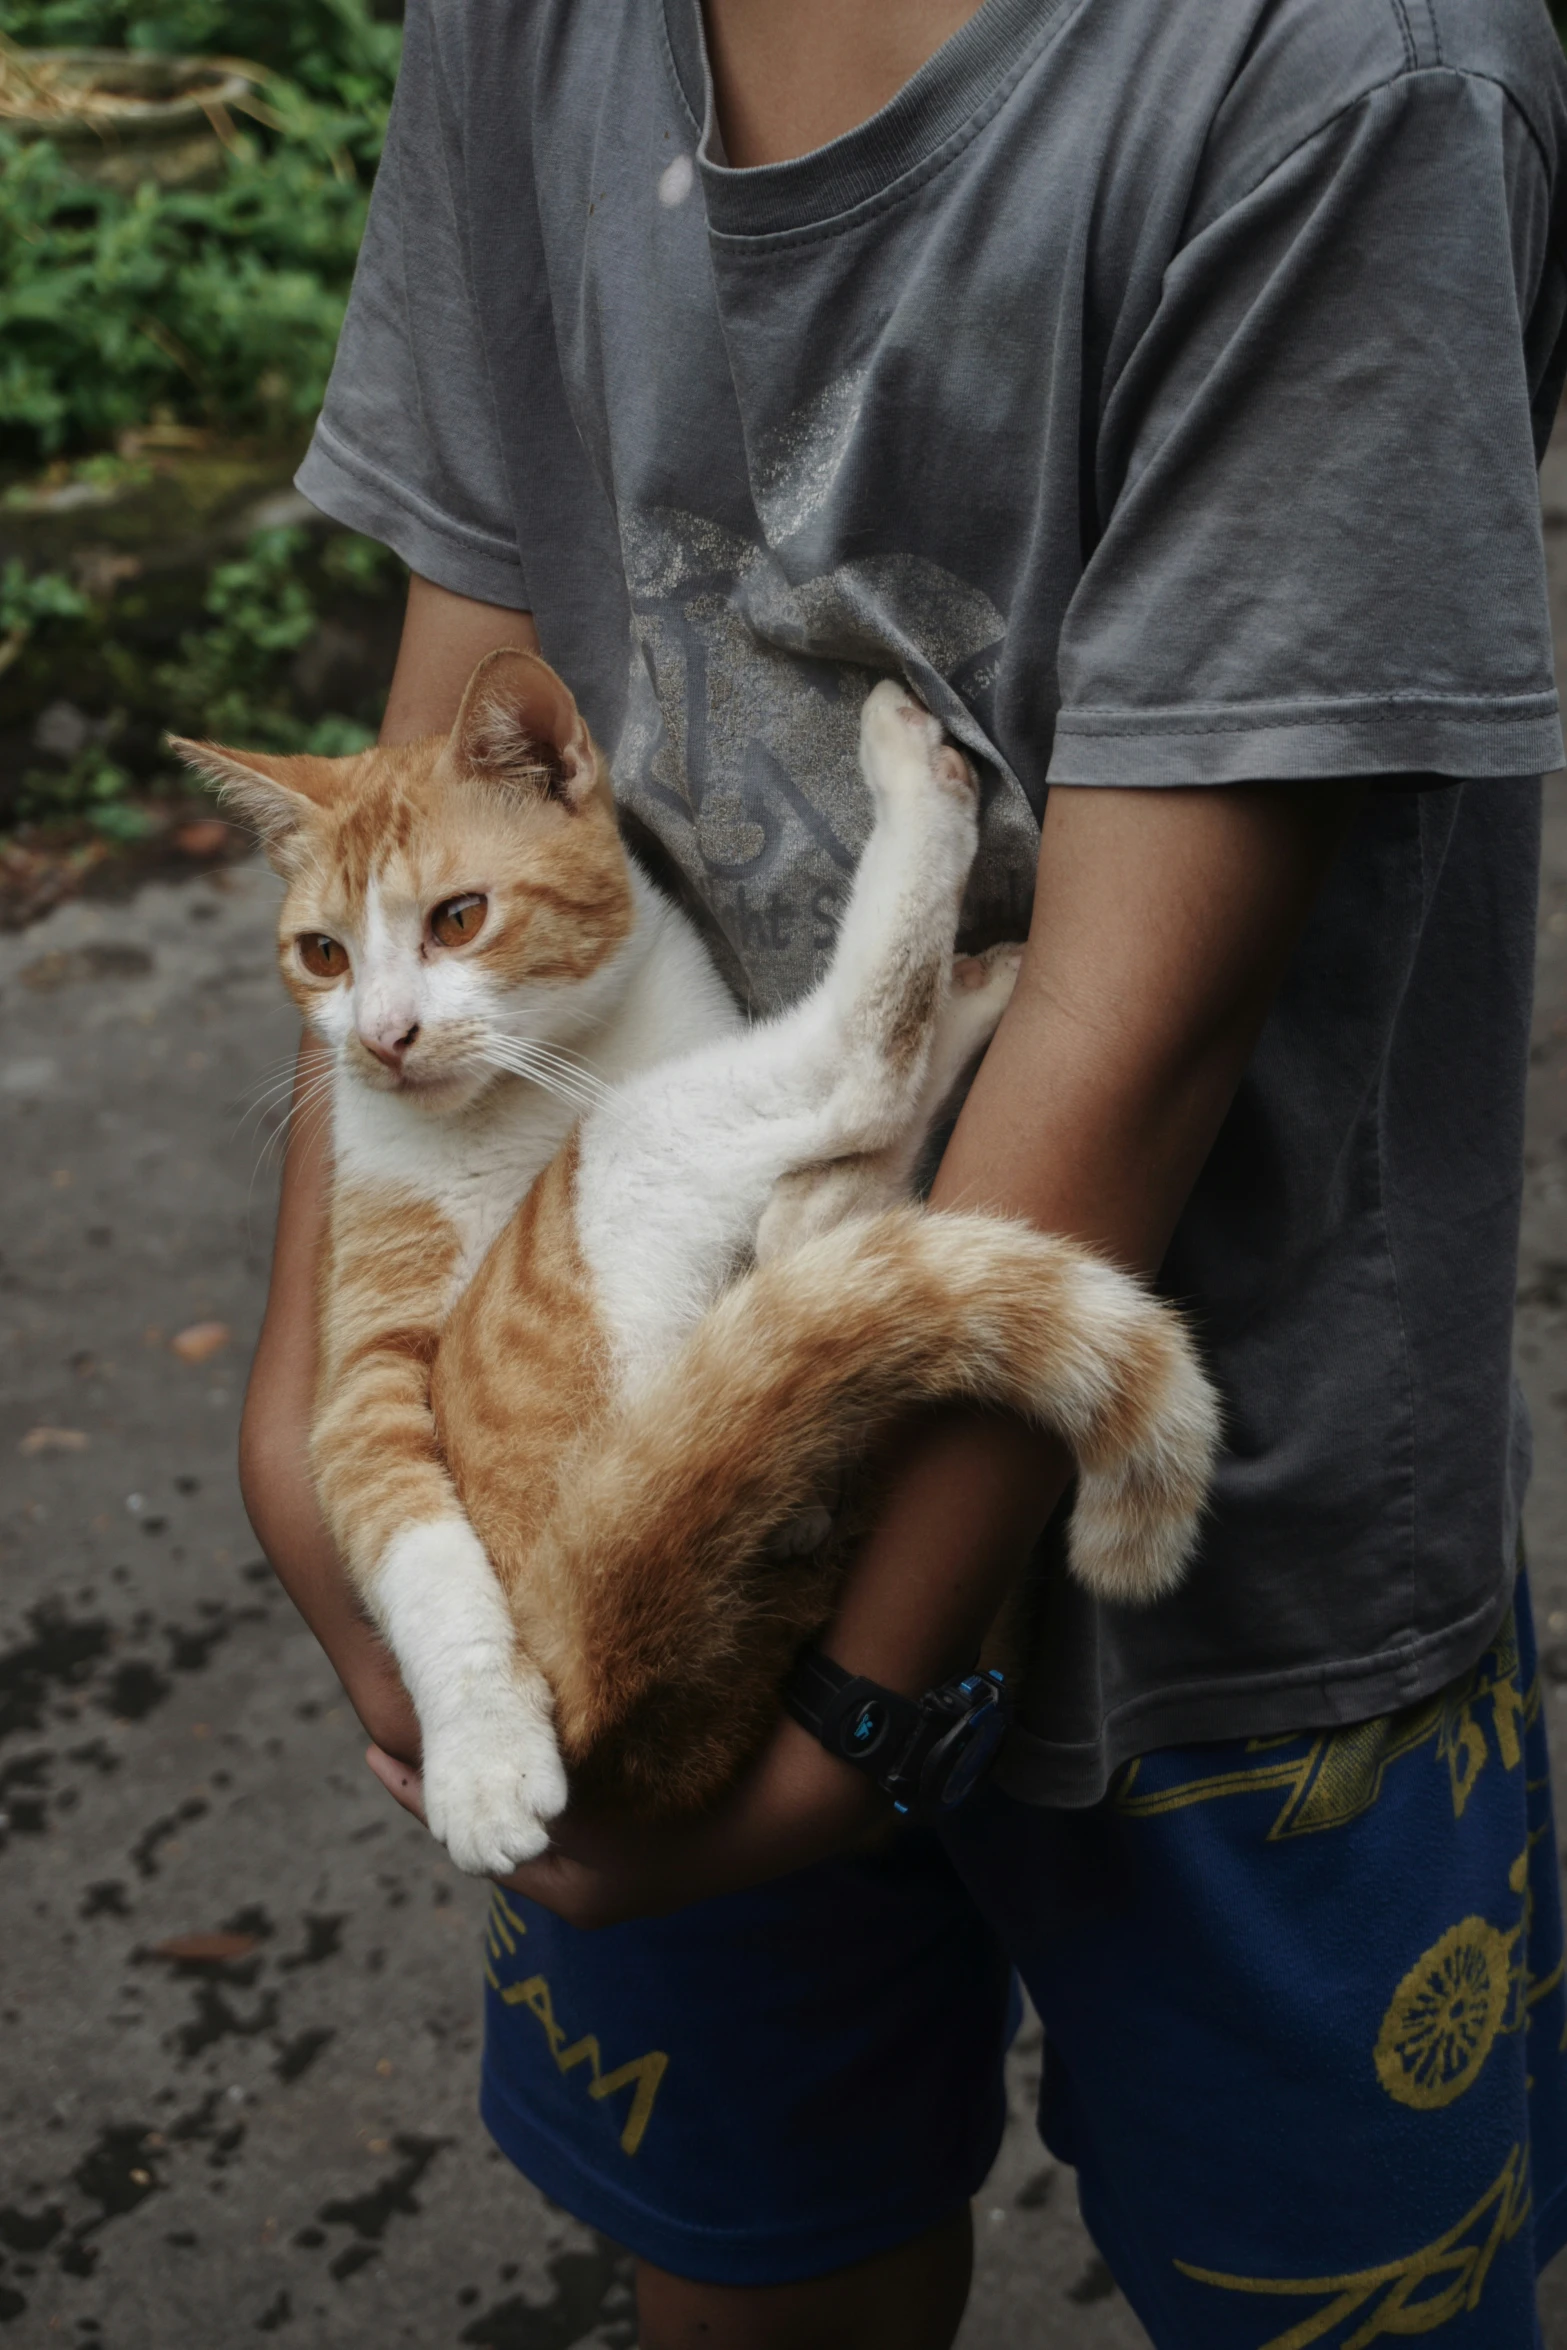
<point x="790" y="75"/>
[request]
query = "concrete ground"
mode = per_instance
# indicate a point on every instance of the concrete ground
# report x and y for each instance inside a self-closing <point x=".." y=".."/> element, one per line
<point x="275" y="2133"/>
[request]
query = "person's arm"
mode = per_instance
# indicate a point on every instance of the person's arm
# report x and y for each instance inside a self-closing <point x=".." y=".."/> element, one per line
<point x="444" y="638"/>
<point x="1163" y="922"/>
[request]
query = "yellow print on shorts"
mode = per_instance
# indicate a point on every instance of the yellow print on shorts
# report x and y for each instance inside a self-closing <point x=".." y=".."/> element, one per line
<point x="1330" y="1778"/>
<point x="1445" y="2014"/>
<point x="1415" y="2295"/>
<point x="1472" y="1985"/>
<point x="642" y="2075"/>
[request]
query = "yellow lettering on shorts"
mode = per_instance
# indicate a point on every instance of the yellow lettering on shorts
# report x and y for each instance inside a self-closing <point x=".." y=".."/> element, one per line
<point x="1328" y="1779"/>
<point x="1415" y="2295"/>
<point x="641" y="2075"/>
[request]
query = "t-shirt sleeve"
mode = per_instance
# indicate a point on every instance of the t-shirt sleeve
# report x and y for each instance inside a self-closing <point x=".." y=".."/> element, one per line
<point x="1321" y="552"/>
<point x="407" y="448"/>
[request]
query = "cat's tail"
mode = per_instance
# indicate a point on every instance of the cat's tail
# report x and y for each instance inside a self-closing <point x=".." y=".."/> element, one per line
<point x="654" y="1571"/>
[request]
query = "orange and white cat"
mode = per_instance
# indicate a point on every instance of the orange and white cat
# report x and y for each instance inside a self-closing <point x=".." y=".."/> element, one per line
<point x="620" y="1286"/>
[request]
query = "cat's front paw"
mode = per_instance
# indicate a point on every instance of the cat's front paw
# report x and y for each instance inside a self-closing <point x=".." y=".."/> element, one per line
<point x="493" y="1779"/>
<point x="904" y="749"/>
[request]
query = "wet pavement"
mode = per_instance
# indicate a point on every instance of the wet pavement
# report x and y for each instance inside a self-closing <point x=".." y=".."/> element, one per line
<point x="239" y="1991"/>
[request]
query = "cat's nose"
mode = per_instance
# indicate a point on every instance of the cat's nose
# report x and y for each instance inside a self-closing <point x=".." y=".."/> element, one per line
<point x="390" y="1049"/>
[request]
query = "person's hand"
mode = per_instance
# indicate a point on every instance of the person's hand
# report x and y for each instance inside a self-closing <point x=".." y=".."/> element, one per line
<point x="796" y="1805"/>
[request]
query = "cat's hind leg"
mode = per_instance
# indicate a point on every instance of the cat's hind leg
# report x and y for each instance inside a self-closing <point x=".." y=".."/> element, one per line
<point x="879" y="1003"/>
<point x="979" y="992"/>
<point x="677" y="1175"/>
<point x="814" y="1199"/>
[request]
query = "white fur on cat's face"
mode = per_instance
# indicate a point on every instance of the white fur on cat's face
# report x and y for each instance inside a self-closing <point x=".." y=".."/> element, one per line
<point x="511" y="813"/>
<point x="437" y="1024"/>
<point x="431" y="1008"/>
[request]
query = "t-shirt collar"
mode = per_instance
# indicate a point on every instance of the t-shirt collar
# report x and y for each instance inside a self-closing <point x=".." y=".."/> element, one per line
<point x="931" y="108"/>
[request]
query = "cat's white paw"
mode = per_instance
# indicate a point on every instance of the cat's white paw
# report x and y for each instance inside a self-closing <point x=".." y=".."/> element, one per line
<point x="902" y="747"/>
<point x="980" y="990"/>
<point x="494" y="1780"/>
<point x="986" y="980"/>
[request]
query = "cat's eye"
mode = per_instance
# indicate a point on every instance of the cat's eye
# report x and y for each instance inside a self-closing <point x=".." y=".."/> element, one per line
<point x="458" y="920"/>
<point x="322" y="957"/>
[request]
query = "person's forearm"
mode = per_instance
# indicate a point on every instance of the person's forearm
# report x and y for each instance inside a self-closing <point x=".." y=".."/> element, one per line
<point x="1091" y="1115"/>
<point x="274" y="1467"/>
<point x="444" y="639"/>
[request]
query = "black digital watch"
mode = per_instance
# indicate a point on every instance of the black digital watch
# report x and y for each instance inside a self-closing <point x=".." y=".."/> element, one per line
<point x="927" y="1753"/>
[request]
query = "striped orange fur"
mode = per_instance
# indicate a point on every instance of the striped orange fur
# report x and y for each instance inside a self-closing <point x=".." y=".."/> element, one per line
<point x="617" y="1289"/>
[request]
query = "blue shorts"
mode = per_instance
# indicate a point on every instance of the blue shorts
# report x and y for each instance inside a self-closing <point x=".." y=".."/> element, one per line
<point x="1304" y="2014"/>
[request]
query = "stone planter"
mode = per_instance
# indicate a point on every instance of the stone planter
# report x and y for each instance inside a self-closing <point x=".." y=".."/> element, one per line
<point x="121" y="116"/>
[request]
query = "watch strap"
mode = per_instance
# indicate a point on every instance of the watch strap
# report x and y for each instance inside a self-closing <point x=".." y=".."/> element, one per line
<point x="927" y="1753"/>
<point x="853" y="1717"/>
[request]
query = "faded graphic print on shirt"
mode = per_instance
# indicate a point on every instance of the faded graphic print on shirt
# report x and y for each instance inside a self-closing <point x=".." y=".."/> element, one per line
<point x="739" y="745"/>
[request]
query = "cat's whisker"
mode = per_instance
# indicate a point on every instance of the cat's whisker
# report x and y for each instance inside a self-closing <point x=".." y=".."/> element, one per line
<point x="278" y="1072"/>
<point x="266" y="1098"/>
<point x="550" y="1081"/>
<point x="316" y="1094"/>
<point x="574" y="1072"/>
<point x="271" y="1145"/>
<point x="557" y="1081"/>
<point x="312" y="1117"/>
<point x="321" y="1081"/>
<point x="568" y="1084"/>
<point x="315" y="1116"/>
<point x="545" y="1084"/>
<point x="279" y="1075"/>
<point x="563" y="1052"/>
<point x="558" y="1057"/>
<point x="559" y="1052"/>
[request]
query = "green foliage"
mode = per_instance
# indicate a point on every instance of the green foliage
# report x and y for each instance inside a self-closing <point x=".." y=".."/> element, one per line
<point x="26" y="599"/>
<point x="362" y="564"/>
<point x="218" y="306"/>
<point x="94" y="786"/>
<point x="219" y="309"/>
<point x="29" y="601"/>
<point x="231" y="679"/>
<point x="260" y="612"/>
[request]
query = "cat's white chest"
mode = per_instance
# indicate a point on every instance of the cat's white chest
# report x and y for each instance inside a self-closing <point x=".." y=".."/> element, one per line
<point x="474" y="1170"/>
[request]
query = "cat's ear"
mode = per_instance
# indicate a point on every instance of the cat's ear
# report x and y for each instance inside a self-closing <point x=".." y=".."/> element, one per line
<point x="519" y="729"/>
<point x="273" y="794"/>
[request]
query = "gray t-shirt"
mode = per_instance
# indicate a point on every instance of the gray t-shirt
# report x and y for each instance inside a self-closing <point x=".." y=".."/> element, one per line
<point x="1158" y="386"/>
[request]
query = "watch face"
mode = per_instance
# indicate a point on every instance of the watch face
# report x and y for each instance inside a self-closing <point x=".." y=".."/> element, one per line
<point x="971" y="1749"/>
<point x="866" y="1730"/>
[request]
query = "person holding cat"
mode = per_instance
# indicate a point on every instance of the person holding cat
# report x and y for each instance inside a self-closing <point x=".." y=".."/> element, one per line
<point x="1157" y="391"/>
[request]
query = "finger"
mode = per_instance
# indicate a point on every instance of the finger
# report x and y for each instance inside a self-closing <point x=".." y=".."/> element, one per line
<point x="581" y="1896"/>
<point x="547" y="1880"/>
<point x="398" y="1778"/>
